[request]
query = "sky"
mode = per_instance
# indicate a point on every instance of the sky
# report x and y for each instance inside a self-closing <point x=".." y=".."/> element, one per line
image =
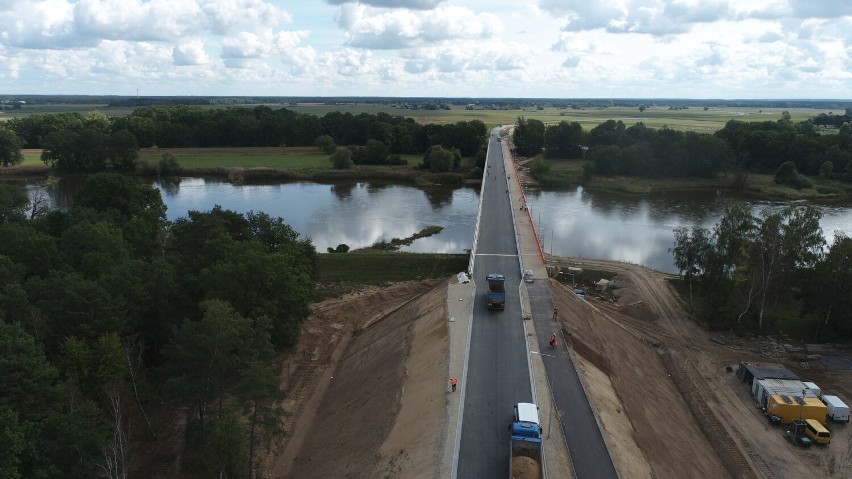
<point x="726" y="49"/>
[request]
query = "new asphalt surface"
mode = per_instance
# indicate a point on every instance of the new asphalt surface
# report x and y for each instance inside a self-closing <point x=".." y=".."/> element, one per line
<point x="498" y="374"/>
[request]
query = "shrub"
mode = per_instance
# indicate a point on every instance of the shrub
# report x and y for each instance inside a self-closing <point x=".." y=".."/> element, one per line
<point x="169" y="165"/>
<point x="397" y="160"/>
<point x="341" y="159"/>
<point x="326" y="144"/>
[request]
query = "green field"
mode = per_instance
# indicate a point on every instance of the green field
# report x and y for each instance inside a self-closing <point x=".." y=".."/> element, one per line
<point x="692" y="119"/>
<point x="289" y="158"/>
<point x="284" y="158"/>
<point x="341" y="273"/>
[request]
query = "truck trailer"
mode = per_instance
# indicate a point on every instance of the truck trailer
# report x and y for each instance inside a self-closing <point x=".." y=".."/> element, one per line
<point x="496" y="294"/>
<point x="525" y="458"/>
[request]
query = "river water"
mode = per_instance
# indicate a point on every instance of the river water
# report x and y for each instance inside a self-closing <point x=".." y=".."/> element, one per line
<point x="576" y="222"/>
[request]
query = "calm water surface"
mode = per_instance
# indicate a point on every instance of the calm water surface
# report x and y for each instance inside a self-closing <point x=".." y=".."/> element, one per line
<point x="637" y="229"/>
<point x="354" y="213"/>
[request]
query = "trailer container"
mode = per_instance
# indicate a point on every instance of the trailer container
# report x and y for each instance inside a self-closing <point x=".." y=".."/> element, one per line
<point x="813" y="388"/>
<point x="750" y="372"/>
<point x="763" y="388"/>
<point x="787" y="408"/>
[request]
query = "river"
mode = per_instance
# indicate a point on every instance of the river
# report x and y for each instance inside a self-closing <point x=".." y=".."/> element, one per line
<point x="576" y="222"/>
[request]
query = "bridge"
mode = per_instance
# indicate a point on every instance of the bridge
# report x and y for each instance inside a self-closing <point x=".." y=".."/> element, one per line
<point x="507" y="354"/>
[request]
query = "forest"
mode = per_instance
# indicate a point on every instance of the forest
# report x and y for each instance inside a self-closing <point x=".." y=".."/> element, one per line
<point x="613" y="148"/>
<point x="93" y="142"/>
<point x="768" y="272"/>
<point x="115" y="321"/>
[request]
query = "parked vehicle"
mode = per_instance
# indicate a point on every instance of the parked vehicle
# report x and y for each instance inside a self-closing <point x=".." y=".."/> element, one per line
<point x="836" y="410"/>
<point x="496" y="294"/>
<point x="816" y="432"/>
<point x="580" y="293"/>
<point x="525" y="442"/>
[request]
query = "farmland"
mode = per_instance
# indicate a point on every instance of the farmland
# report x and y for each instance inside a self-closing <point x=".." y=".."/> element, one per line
<point x="692" y="119"/>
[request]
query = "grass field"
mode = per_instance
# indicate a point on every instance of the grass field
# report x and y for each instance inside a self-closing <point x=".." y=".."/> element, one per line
<point x="287" y="158"/>
<point x="291" y="158"/>
<point x="692" y="119"/>
<point x="341" y="273"/>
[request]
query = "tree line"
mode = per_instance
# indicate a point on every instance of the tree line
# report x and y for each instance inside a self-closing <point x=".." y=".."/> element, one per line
<point x="616" y="149"/>
<point x="91" y="142"/>
<point x="768" y="272"/>
<point x="115" y="322"/>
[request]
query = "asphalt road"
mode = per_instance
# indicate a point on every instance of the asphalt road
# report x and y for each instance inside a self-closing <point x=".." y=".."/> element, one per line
<point x="498" y="372"/>
<point x="586" y="446"/>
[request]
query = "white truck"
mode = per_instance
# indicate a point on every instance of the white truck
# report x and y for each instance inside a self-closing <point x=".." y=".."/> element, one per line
<point x="836" y="409"/>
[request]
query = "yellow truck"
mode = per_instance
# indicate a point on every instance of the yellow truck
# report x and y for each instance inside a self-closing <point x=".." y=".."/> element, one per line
<point x="786" y="408"/>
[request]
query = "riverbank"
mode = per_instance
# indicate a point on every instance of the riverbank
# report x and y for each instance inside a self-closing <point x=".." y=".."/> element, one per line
<point x="240" y="165"/>
<point x="569" y="174"/>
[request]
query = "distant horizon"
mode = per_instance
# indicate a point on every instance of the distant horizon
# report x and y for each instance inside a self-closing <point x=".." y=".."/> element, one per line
<point x="548" y="49"/>
<point x="13" y="96"/>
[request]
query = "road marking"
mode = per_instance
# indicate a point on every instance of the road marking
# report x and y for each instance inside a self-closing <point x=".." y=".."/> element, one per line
<point x="495" y="254"/>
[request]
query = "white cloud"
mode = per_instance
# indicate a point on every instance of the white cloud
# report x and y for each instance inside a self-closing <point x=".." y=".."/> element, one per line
<point x="156" y="20"/>
<point x="467" y="56"/>
<point x="190" y="53"/>
<point x="64" y="24"/>
<point x="254" y="45"/>
<point x="46" y="24"/>
<point x="368" y="27"/>
<point x="567" y="48"/>
<point x="351" y="62"/>
<point x="655" y="17"/>
<point x="412" y="4"/>
<point x="226" y="15"/>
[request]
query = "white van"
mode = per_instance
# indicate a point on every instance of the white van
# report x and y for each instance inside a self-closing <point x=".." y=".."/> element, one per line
<point x="836" y="409"/>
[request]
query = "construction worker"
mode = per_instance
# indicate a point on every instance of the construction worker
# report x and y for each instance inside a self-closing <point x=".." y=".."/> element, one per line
<point x="453" y="384"/>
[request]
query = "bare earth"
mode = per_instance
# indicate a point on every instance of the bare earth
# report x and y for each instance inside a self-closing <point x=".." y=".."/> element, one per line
<point x="359" y="357"/>
<point x="367" y="388"/>
<point x="685" y="411"/>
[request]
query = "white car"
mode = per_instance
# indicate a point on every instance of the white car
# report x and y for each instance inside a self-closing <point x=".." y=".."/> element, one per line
<point x="528" y="276"/>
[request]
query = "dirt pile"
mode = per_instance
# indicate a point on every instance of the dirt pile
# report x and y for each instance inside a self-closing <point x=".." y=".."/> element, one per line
<point x="525" y="468"/>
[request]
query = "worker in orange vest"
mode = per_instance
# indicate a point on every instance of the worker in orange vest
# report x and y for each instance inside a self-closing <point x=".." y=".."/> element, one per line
<point x="453" y="383"/>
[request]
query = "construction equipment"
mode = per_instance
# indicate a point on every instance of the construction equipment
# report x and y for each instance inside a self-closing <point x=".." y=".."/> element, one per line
<point x="796" y="434"/>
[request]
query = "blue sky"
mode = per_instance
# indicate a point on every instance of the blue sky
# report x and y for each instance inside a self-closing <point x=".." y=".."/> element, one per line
<point x="454" y="48"/>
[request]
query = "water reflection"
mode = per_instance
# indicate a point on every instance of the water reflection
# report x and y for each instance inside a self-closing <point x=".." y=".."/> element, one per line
<point x="358" y="214"/>
<point x="580" y="223"/>
<point x="638" y="229"/>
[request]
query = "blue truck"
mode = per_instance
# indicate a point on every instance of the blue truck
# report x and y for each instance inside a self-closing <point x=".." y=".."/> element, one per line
<point x="525" y="442"/>
<point x="496" y="293"/>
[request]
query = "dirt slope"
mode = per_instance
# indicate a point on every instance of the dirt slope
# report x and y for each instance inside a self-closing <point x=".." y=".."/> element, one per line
<point x="365" y="391"/>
